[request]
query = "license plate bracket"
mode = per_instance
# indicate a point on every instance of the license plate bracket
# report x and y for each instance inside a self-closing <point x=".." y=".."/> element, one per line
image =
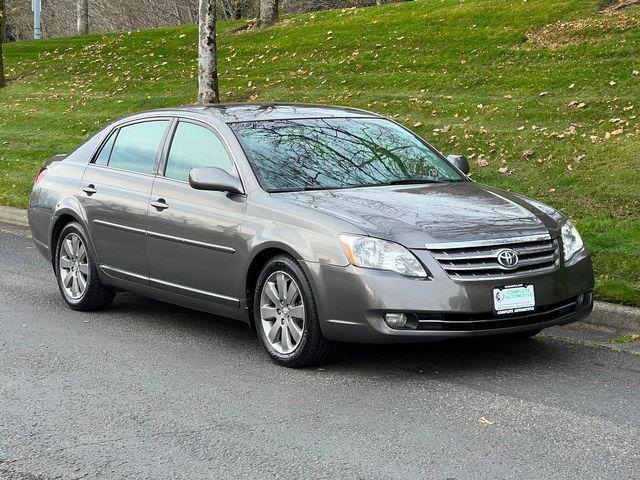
<point x="514" y="299"/>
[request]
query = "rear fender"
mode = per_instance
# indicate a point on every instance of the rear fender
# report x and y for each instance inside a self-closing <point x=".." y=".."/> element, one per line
<point x="69" y="209"/>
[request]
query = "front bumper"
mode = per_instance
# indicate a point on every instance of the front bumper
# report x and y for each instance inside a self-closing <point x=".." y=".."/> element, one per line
<point x="351" y="302"/>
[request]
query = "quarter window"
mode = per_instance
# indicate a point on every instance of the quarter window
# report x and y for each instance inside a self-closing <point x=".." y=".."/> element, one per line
<point x="136" y="146"/>
<point x="195" y="146"/>
<point x="103" y="157"/>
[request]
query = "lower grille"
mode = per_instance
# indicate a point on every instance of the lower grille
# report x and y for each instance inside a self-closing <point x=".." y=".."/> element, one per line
<point x="481" y="262"/>
<point x="459" y="322"/>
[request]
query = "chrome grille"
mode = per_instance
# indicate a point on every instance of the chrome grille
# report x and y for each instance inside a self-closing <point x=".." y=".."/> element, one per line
<point x="481" y="262"/>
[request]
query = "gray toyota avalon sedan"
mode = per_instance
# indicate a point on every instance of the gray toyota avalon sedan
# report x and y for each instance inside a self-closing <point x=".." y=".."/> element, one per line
<point x="310" y="223"/>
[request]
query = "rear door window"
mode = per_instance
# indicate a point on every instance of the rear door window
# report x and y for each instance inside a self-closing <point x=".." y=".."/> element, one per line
<point x="136" y="146"/>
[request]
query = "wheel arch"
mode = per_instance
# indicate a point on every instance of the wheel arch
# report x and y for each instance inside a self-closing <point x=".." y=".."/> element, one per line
<point x="255" y="266"/>
<point x="64" y="215"/>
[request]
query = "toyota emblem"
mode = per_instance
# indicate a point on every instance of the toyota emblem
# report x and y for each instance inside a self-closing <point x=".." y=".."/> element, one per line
<point x="507" y="258"/>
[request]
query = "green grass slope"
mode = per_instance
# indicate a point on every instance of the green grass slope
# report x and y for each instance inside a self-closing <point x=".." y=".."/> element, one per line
<point x="542" y="95"/>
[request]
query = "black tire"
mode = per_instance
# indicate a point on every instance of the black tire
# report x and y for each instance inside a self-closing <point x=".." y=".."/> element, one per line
<point x="313" y="348"/>
<point x="96" y="295"/>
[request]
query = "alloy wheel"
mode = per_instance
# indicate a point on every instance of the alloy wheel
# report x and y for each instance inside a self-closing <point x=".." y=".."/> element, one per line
<point x="73" y="266"/>
<point x="282" y="312"/>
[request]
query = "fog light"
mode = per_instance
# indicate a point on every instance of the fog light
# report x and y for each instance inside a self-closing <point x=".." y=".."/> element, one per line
<point x="395" y="320"/>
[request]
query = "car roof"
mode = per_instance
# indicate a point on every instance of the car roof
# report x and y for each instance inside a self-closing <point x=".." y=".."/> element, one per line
<point x="251" y="112"/>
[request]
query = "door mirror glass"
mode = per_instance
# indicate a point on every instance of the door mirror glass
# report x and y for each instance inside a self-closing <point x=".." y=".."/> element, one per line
<point x="214" y="179"/>
<point x="460" y="162"/>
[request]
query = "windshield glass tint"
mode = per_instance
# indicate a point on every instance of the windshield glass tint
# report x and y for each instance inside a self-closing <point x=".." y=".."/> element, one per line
<point x="338" y="153"/>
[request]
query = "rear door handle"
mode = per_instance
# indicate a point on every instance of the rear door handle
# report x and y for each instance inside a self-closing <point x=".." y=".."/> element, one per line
<point x="159" y="205"/>
<point x="89" y="189"/>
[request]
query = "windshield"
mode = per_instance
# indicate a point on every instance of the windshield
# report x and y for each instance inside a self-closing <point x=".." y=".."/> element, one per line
<point x="338" y="153"/>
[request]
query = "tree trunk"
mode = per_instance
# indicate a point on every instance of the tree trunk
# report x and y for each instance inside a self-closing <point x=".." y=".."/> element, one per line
<point x="207" y="54"/>
<point x="3" y="23"/>
<point x="268" y="13"/>
<point x="82" y="9"/>
<point x="83" y="17"/>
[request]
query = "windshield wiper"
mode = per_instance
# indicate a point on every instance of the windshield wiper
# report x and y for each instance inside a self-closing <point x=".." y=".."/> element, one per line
<point x="405" y="181"/>
<point x="412" y="181"/>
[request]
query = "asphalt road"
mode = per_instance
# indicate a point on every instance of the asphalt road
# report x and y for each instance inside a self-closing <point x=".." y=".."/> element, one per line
<point x="148" y="390"/>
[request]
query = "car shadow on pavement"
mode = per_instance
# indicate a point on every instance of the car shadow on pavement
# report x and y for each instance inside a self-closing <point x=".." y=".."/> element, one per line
<point x="452" y="357"/>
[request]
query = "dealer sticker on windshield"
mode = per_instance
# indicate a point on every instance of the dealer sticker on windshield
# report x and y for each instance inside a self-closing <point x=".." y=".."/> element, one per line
<point x="514" y="299"/>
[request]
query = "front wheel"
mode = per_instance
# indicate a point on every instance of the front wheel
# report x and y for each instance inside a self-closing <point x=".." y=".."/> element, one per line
<point x="76" y="272"/>
<point x="286" y="317"/>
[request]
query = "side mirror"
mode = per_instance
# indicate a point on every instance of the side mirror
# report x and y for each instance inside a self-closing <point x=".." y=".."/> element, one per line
<point x="214" y="179"/>
<point x="460" y="162"/>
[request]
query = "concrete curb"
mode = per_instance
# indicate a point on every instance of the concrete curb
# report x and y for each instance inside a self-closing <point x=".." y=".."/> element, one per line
<point x="14" y="216"/>
<point x="605" y="315"/>
<point x="619" y="318"/>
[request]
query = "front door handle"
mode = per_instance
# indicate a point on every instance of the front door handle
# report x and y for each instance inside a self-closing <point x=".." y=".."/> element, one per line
<point x="160" y="205"/>
<point x="90" y="189"/>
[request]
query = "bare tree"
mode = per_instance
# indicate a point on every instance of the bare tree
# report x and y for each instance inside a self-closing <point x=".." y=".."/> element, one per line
<point x="207" y="54"/>
<point x="83" y="17"/>
<point x="3" y="23"/>
<point x="268" y="13"/>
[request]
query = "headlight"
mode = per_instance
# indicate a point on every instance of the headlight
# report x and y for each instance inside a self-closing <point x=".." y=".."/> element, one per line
<point x="375" y="253"/>
<point x="571" y="240"/>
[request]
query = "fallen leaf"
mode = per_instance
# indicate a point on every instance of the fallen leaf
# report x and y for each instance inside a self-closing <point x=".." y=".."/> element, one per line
<point x="486" y="421"/>
<point x="528" y="153"/>
<point x="579" y="158"/>
<point x="552" y="190"/>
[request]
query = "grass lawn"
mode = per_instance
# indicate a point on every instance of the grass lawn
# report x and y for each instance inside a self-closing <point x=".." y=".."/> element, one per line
<point x="542" y="95"/>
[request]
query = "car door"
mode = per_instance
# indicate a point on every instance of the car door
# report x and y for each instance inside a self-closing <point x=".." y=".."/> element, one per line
<point x="194" y="238"/>
<point x="115" y="194"/>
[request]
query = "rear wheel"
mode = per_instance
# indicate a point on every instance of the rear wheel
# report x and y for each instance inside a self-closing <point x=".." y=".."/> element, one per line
<point x="76" y="272"/>
<point x="286" y="316"/>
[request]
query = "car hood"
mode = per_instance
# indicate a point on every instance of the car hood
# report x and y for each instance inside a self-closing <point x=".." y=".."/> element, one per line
<point x="418" y="215"/>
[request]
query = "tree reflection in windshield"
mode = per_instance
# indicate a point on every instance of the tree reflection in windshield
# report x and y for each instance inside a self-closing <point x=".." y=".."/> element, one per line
<point x="338" y="153"/>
